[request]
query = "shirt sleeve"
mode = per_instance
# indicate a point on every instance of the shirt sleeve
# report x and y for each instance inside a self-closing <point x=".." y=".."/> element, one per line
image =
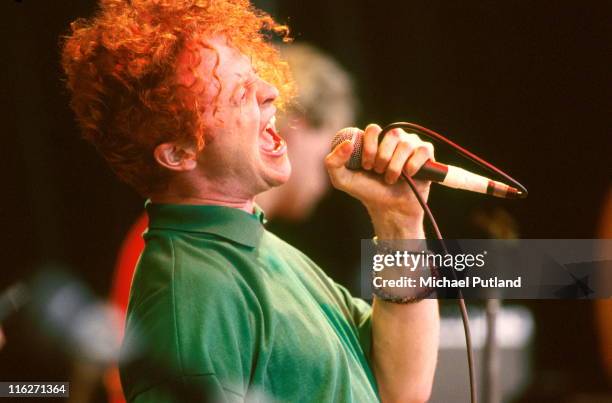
<point x="357" y="311"/>
<point x="360" y="313"/>
<point x="180" y="310"/>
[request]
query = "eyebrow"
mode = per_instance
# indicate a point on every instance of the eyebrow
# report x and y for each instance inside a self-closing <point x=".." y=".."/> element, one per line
<point x="249" y="72"/>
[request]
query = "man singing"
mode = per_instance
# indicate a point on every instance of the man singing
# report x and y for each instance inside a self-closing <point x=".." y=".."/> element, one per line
<point x="179" y="97"/>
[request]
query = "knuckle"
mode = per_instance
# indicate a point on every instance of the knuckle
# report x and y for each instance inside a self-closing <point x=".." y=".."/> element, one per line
<point x="380" y="165"/>
<point x="368" y="152"/>
<point x="394" y="134"/>
<point x="393" y="171"/>
<point x="422" y="148"/>
<point x="427" y="149"/>
<point x="404" y="145"/>
<point x="384" y="155"/>
<point x="411" y="167"/>
<point x="390" y="178"/>
<point x="414" y="142"/>
<point x="367" y="161"/>
<point x="405" y="136"/>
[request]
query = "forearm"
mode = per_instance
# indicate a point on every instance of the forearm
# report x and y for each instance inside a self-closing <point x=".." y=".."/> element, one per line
<point x="404" y="349"/>
<point x="404" y="336"/>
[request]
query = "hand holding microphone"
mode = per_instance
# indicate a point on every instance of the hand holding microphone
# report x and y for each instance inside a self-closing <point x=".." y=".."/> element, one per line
<point x="393" y="207"/>
<point x="430" y="170"/>
<point x="355" y="153"/>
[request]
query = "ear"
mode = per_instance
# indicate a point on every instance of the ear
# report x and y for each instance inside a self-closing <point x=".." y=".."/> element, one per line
<point x="175" y="157"/>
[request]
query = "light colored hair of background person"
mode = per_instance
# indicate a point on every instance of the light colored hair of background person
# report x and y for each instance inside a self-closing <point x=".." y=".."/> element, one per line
<point x="325" y="92"/>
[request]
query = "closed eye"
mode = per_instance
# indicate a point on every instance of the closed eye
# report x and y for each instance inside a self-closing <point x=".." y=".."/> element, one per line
<point x="247" y="86"/>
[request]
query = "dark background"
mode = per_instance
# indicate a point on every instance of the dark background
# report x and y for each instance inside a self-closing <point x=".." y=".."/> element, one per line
<point x="525" y="84"/>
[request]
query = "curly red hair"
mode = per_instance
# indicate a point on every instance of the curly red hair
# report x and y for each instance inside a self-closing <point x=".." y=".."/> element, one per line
<point x="121" y="64"/>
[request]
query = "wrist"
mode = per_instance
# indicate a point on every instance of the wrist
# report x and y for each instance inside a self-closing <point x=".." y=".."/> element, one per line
<point x="395" y="225"/>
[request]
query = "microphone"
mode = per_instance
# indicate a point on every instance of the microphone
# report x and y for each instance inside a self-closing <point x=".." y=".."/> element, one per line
<point x="447" y="175"/>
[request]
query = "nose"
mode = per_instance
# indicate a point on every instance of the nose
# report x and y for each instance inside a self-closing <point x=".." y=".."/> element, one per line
<point x="267" y="93"/>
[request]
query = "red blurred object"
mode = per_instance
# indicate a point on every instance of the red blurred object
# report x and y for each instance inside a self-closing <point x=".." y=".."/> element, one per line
<point x="130" y="251"/>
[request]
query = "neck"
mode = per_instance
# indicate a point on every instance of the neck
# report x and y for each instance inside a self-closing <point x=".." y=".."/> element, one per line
<point x="246" y="205"/>
<point x="196" y="189"/>
<point x="270" y="201"/>
<point x="204" y="198"/>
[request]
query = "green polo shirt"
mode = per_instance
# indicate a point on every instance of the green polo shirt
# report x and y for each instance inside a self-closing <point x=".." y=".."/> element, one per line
<point x="221" y="303"/>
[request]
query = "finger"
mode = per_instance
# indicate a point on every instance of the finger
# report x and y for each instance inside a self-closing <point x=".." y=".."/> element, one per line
<point x="401" y="154"/>
<point x="370" y="146"/>
<point x="386" y="149"/>
<point x="423" y="152"/>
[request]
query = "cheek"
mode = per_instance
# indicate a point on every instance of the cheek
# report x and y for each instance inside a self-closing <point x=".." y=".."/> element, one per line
<point x="239" y="123"/>
<point x="219" y="123"/>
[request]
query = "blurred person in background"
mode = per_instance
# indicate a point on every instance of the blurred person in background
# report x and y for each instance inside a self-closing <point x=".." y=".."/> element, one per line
<point x="325" y="103"/>
<point x="179" y="98"/>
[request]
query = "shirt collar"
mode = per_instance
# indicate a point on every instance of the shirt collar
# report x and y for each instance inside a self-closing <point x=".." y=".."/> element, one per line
<point x="227" y="222"/>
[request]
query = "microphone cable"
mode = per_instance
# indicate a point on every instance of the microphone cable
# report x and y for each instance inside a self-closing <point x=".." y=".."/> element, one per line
<point x="490" y="167"/>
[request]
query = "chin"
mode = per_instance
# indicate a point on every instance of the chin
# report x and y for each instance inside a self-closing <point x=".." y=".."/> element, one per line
<point x="279" y="174"/>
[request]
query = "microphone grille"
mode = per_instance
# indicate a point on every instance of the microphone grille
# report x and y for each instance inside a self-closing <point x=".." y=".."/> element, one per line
<point x="356" y="135"/>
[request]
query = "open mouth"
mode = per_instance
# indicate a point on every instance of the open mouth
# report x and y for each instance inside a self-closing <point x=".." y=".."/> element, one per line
<point x="271" y="143"/>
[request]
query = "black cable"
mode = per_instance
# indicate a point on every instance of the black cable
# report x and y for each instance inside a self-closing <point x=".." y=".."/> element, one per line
<point x="469" y="155"/>
<point x="460" y="300"/>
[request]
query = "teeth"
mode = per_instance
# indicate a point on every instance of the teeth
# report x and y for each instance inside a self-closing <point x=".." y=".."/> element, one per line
<point x="271" y="123"/>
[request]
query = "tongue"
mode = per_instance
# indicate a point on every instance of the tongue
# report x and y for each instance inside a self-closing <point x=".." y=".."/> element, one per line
<point x="268" y="140"/>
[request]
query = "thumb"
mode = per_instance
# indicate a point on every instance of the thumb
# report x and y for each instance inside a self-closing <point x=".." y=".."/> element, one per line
<point x="339" y="156"/>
